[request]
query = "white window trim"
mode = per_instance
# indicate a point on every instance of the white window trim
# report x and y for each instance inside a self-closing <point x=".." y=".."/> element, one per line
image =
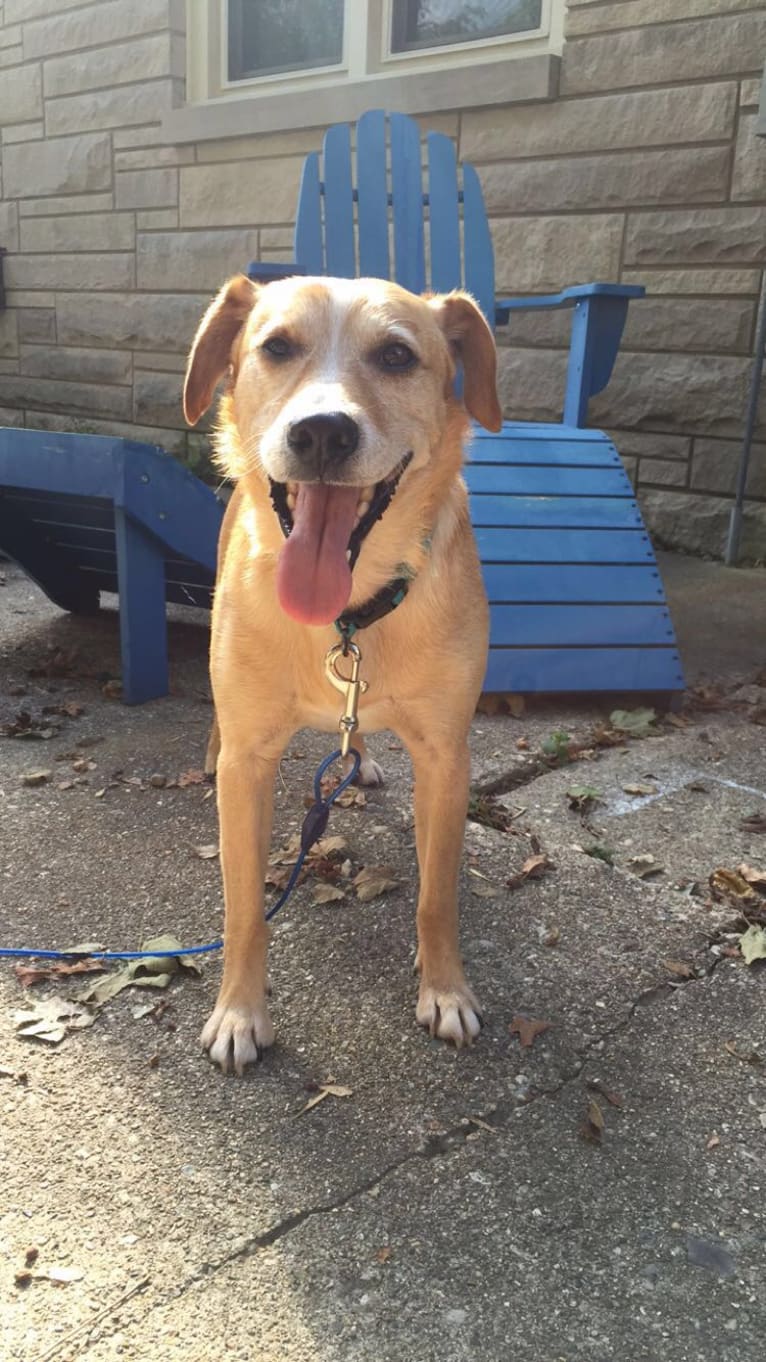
<point x="514" y="67"/>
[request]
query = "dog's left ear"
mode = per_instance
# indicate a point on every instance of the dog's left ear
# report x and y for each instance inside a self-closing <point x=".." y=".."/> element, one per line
<point x="472" y="342"/>
<point x="210" y="354"/>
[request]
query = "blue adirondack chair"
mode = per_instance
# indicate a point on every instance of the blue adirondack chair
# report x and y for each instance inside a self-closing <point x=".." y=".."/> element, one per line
<point x="82" y="514"/>
<point x="576" y="599"/>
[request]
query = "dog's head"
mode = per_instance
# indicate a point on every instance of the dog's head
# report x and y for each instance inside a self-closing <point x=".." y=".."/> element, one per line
<point x="337" y="388"/>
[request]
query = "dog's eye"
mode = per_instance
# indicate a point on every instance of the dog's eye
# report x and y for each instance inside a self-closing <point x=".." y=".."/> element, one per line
<point x="278" y="347"/>
<point x="396" y="356"/>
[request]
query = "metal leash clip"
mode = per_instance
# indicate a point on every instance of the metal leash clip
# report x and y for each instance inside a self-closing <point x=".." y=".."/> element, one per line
<point x="351" y="687"/>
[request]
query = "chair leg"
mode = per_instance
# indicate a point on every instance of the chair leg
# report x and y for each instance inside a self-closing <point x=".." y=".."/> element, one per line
<point x="143" y="626"/>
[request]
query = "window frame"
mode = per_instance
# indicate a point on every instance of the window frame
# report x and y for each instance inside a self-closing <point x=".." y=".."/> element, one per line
<point x="525" y="35"/>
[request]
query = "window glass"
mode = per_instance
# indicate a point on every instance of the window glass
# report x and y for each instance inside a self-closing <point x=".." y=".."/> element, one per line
<point x="431" y="23"/>
<point x="269" y="36"/>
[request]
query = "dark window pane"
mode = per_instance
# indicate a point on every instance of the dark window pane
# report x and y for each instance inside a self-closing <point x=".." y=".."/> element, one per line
<point x="268" y="36"/>
<point x="431" y="23"/>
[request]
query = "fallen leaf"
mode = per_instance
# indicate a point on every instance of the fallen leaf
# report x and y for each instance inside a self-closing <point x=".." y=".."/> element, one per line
<point x="752" y="944"/>
<point x="728" y="884"/>
<point x="36" y="777"/>
<point x="533" y="869"/>
<point x="31" y="1256"/>
<point x="522" y="744"/>
<point x="193" y="777"/>
<point x="383" y="1254"/>
<point x="713" y="1142"/>
<point x="207" y="852"/>
<point x="552" y="937"/>
<point x="527" y="1029"/>
<point x="637" y="722"/>
<point x="112" y="689"/>
<point x="328" y="846"/>
<point x="746" y="1056"/>
<point x="679" y="968"/>
<point x="613" y="1098"/>
<point x="484" y="889"/>
<point x="645" y="866"/>
<point x="327" y="893"/>
<point x="754" y="822"/>
<point x="600" y="853"/>
<point x="50" y="1019"/>
<point x="155" y="971"/>
<point x="373" y="881"/>
<point x="640" y="789"/>
<point x="37" y="974"/>
<point x="326" y="1090"/>
<point x="583" y="797"/>
<point x="757" y="878"/>
<point x="593" y="1126"/>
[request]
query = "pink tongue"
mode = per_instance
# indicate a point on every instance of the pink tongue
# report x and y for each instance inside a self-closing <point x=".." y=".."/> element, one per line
<point x="313" y="577"/>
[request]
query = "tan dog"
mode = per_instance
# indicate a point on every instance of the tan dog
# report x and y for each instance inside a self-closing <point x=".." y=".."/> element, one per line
<point x="340" y="404"/>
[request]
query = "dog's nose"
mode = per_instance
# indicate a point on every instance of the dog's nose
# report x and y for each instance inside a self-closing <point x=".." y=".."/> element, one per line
<point x="326" y="438"/>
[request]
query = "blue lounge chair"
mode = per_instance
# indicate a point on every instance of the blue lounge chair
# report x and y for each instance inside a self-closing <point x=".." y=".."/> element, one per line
<point x="576" y="599"/>
<point x="82" y="514"/>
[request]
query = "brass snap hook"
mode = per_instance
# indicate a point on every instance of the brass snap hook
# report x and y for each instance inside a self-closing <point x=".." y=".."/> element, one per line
<point x="351" y="686"/>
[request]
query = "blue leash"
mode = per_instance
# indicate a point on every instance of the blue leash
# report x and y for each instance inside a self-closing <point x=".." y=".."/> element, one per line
<point x="314" y="825"/>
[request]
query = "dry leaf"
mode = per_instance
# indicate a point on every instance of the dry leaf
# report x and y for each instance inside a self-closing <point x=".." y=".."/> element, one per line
<point x="593" y="1125"/>
<point x="757" y="878"/>
<point x="383" y="1254"/>
<point x="326" y="1090"/>
<point x="746" y="1056"/>
<point x="640" y="789"/>
<point x="484" y="889"/>
<point x="37" y="974"/>
<point x="36" y="777"/>
<point x="552" y="937"/>
<point x="50" y="1019"/>
<point x="193" y="777"/>
<point x="613" y="1098"/>
<point x="645" y="866"/>
<point x="328" y="846"/>
<point x="680" y="968"/>
<point x="373" y="881"/>
<point x="207" y="852"/>
<point x="755" y="822"/>
<point x="327" y="893"/>
<point x="713" y="1142"/>
<point x="526" y="1028"/>
<point x="752" y="944"/>
<point x="637" y="722"/>
<point x="583" y="797"/>
<point x="533" y="869"/>
<point x="727" y="884"/>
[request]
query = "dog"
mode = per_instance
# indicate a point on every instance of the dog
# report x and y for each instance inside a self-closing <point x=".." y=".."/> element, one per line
<point x="341" y="427"/>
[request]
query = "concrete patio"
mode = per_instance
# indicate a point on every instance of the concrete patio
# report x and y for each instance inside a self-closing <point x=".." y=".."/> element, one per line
<point x="452" y="1206"/>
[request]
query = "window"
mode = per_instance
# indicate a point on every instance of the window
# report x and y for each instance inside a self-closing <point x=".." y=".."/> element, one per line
<point x="267" y="37"/>
<point x="418" y="24"/>
<point x="275" y="65"/>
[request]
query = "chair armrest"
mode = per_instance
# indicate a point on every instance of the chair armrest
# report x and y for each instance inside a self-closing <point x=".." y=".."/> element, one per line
<point x="569" y="297"/>
<point x="265" y="272"/>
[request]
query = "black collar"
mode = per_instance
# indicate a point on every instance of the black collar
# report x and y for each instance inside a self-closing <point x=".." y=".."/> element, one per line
<point x="379" y="605"/>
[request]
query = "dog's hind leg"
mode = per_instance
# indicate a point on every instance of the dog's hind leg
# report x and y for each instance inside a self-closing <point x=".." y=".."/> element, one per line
<point x="369" y="771"/>
<point x="213" y="748"/>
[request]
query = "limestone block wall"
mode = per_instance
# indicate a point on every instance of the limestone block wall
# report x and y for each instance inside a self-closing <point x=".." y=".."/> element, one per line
<point x="645" y="168"/>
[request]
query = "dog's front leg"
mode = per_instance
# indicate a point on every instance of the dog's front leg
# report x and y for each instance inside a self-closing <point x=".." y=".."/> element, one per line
<point x="446" y="1004"/>
<point x="240" y="1027"/>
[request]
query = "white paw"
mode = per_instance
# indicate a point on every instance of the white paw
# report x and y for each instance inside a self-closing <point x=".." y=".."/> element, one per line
<point x="369" y="772"/>
<point x="236" y="1036"/>
<point x="451" y="1014"/>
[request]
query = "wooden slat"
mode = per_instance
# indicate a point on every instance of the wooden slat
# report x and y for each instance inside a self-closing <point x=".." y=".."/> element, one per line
<point x="543" y="430"/>
<point x="555" y="512"/>
<point x="533" y="481"/>
<point x="308" y="240"/>
<point x="565" y="546"/>
<point x="372" y="191"/>
<point x="340" y="256"/>
<point x="443" y="217"/>
<point x="478" y="251"/>
<point x="560" y="626"/>
<point x="519" y="582"/>
<point x="407" y="195"/>
<point x="522" y="449"/>
<point x="548" y="670"/>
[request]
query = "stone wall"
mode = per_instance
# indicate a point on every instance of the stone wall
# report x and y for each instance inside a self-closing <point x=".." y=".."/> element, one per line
<point x="645" y="168"/>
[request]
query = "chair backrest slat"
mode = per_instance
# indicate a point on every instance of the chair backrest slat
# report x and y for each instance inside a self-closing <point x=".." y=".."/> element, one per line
<point x="340" y="256"/>
<point x="336" y="235"/>
<point x="372" y="192"/>
<point x="407" y="200"/>
<point x="309" y="251"/>
<point x="477" y="245"/>
<point x="443" y="214"/>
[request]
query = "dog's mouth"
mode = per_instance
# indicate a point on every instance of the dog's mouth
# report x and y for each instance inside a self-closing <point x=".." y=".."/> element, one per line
<point x="325" y="525"/>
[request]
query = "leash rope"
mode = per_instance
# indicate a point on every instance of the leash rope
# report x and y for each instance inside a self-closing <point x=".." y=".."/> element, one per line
<point x="313" y="827"/>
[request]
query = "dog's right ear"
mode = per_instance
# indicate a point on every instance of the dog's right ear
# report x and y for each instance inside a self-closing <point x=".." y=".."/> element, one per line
<point x="210" y="355"/>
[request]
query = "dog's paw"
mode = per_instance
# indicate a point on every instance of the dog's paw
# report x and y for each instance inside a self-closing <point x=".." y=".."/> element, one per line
<point x="369" y="772"/>
<point x="452" y="1014"/>
<point x="236" y="1036"/>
